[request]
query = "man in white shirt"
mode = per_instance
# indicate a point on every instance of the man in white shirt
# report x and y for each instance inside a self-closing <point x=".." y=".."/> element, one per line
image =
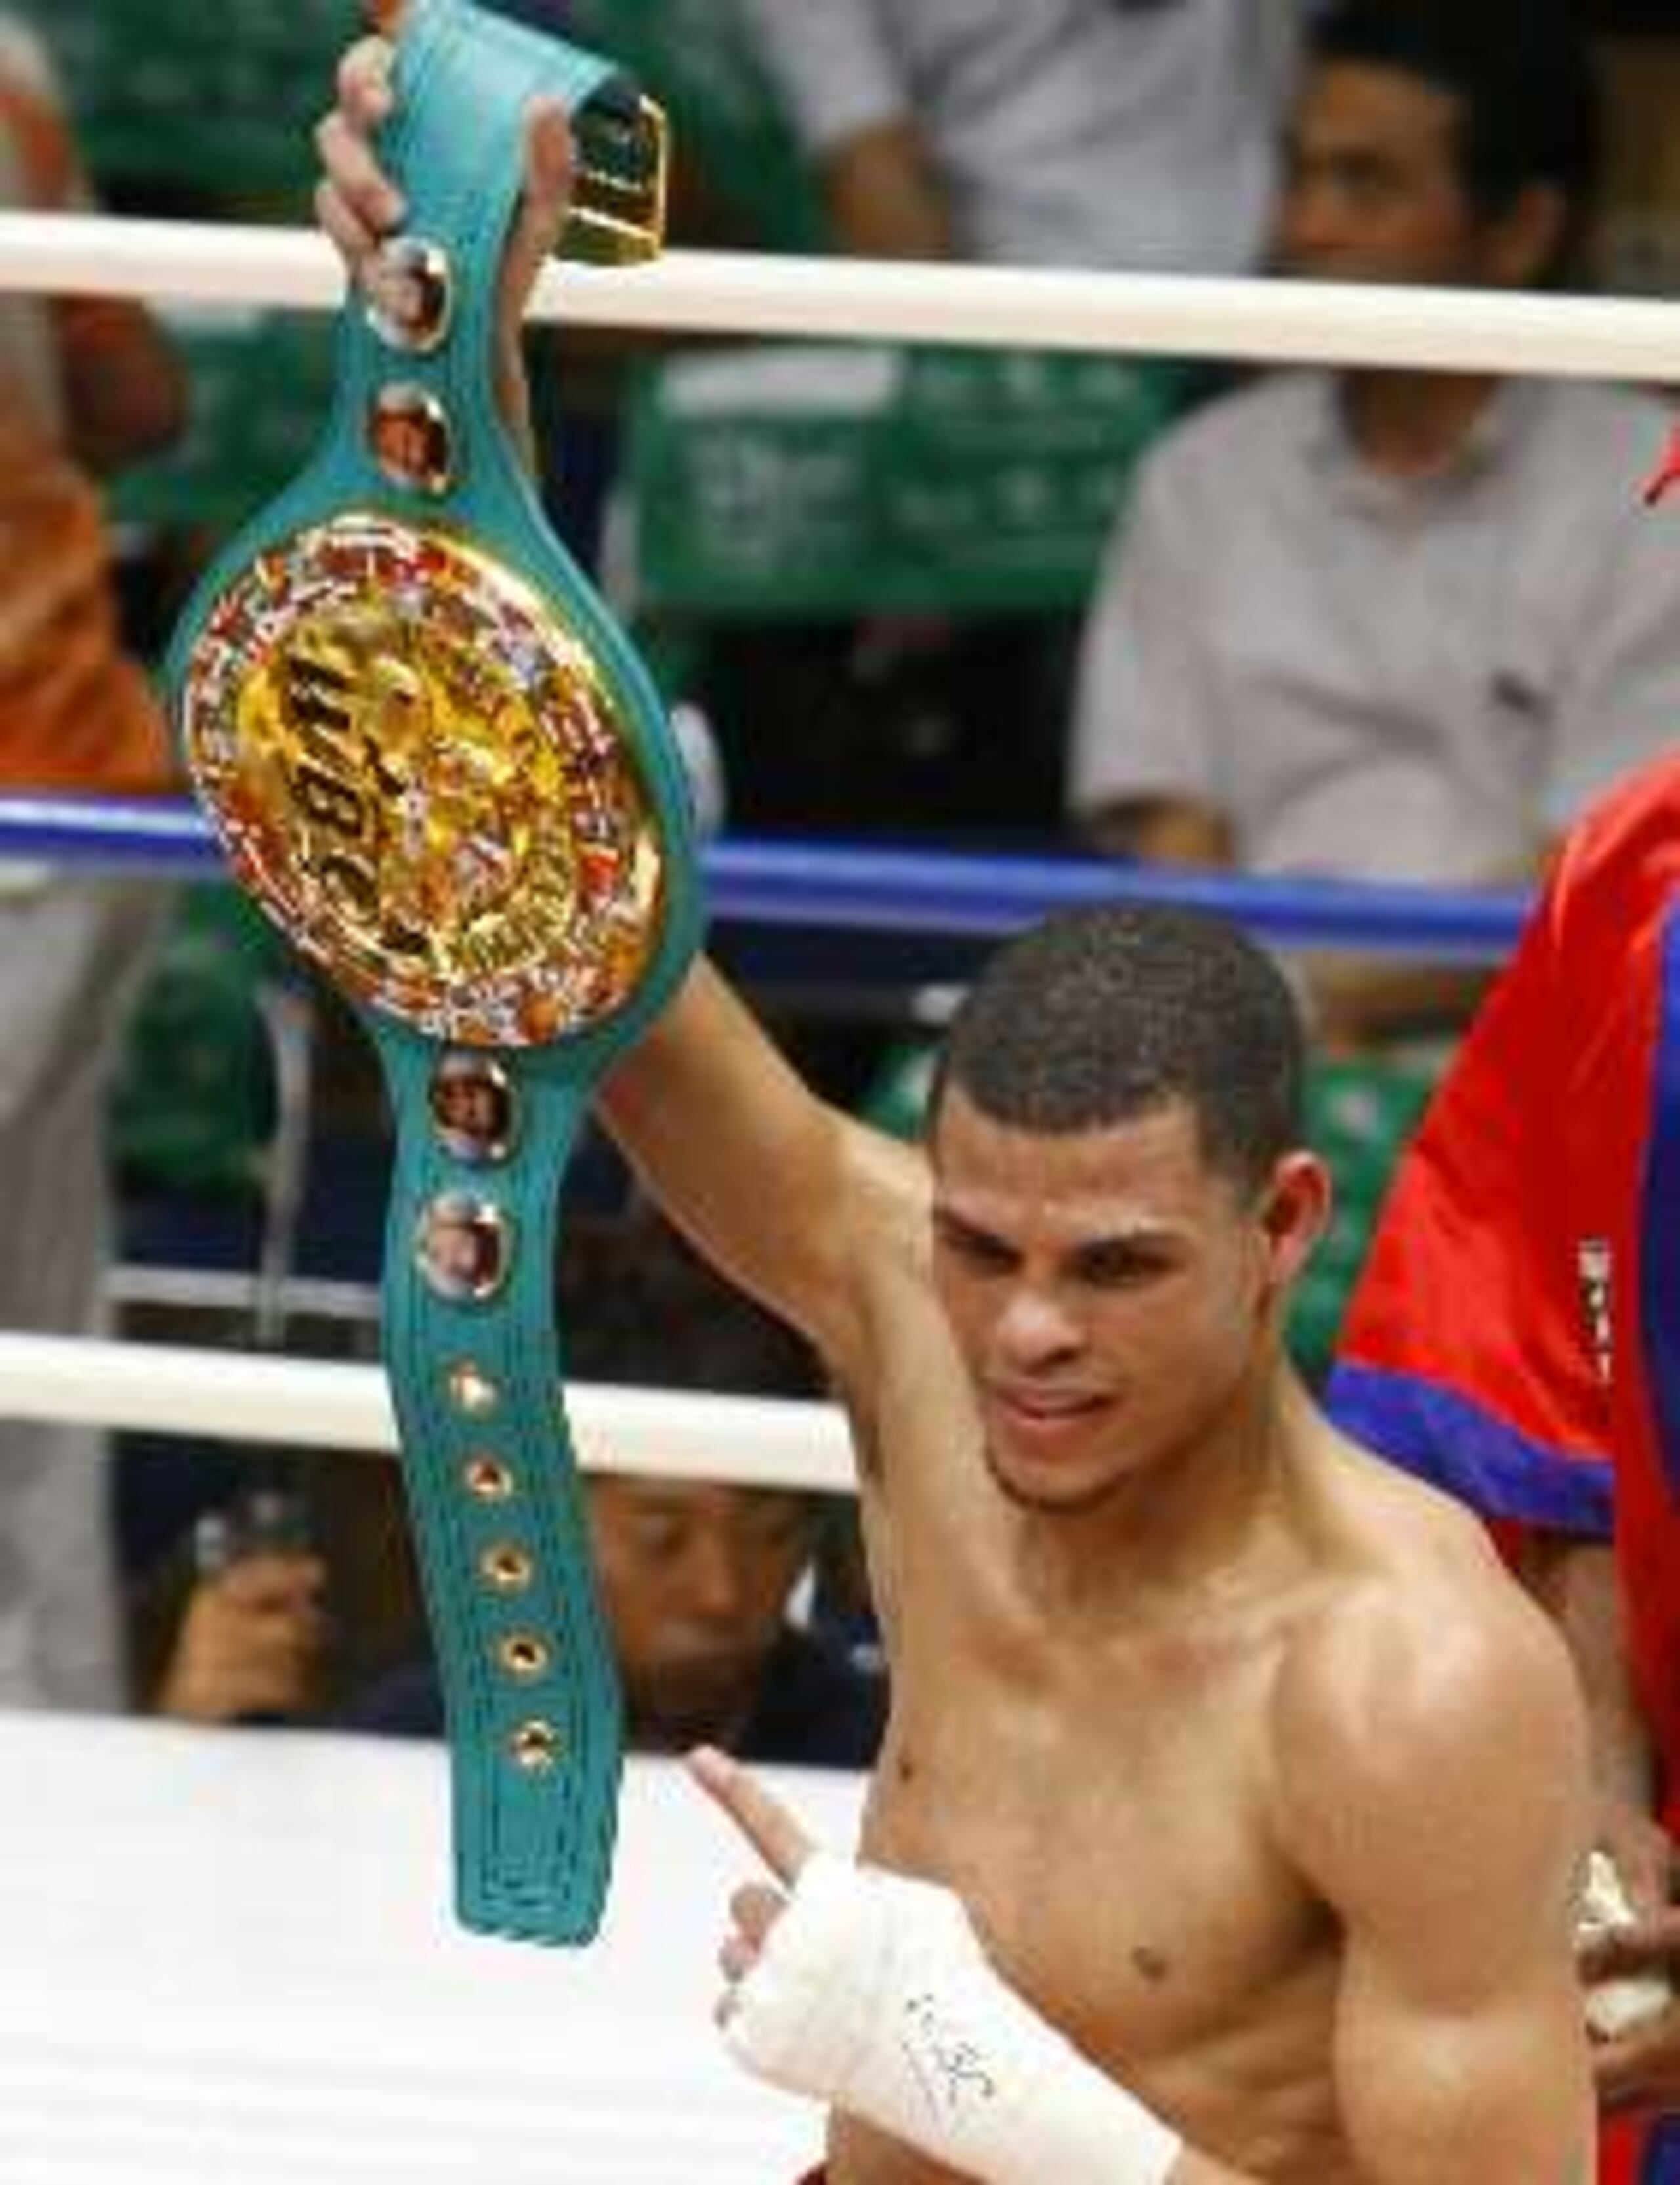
<point x="1136" y="133"/>
<point x="1391" y="625"/>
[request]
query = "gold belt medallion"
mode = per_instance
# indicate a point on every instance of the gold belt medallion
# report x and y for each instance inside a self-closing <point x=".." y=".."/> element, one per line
<point x="419" y="768"/>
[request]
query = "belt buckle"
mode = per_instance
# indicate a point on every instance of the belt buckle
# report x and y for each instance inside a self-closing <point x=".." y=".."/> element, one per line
<point x="617" y="215"/>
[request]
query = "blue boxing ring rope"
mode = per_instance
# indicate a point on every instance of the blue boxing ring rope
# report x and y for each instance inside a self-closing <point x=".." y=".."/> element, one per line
<point x="846" y="921"/>
<point x="940" y="908"/>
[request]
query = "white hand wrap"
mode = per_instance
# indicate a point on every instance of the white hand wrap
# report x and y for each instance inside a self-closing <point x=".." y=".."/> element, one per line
<point x="872" y="1992"/>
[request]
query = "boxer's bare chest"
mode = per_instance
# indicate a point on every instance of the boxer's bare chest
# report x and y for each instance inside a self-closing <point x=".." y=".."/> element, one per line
<point x="1108" y="1820"/>
<point x="1117" y="1853"/>
<point x="1102" y="1793"/>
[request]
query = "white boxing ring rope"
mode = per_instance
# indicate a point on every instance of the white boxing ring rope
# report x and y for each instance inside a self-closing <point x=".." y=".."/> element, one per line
<point x="1269" y="322"/>
<point x="169" y="1388"/>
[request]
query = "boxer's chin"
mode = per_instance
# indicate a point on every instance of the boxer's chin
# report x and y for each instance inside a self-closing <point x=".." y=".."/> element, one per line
<point x="1067" y="1478"/>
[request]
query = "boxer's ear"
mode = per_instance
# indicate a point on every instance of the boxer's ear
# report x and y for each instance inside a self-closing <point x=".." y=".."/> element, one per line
<point x="1294" y="1214"/>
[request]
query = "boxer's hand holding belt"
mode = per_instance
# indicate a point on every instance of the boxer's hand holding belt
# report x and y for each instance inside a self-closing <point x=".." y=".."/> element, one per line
<point x="440" y="765"/>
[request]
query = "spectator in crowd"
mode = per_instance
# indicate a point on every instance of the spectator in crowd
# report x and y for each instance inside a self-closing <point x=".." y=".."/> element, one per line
<point x="1390" y="624"/>
<point x="1084" y="132"/>
<point x="1073" y="132"/>
<point x="254" y="1637"/>
<point x="85" y="387"/>
<point x="697" y="1576"/>
<point x="1513" y="1339"/>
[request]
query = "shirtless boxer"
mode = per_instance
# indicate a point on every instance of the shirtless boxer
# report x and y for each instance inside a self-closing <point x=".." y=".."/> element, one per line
<point x="1233" y="1752"/>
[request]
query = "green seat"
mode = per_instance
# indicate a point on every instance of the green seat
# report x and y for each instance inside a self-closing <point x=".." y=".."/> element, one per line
<point x="1359" y="1116"/>
<point x="192" y="1107"/>
<point x="896" y="1100"/>
<point x="811" y="481"/>
<point x="164" y="97"/>
<point x="261" y="388"/>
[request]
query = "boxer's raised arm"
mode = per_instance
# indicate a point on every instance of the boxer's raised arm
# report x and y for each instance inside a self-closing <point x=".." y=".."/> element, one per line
<point x="804" y="1207"/>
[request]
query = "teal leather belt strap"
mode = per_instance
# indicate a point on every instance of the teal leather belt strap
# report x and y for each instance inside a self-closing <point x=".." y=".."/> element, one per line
<point x="440" y="764"/>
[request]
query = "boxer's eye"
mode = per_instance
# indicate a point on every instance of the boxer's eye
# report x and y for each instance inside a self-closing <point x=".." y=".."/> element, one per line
<point x="1117" y="1265"/>
<point x="977" y="1249"/>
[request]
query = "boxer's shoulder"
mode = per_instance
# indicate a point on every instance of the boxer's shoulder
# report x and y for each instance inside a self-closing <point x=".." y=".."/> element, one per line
<point x="1417" y="1692"/>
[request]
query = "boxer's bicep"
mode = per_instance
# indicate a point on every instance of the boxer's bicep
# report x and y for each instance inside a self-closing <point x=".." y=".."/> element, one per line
<point x="1482" y="2081"/>
<point x="1437" y="1799"/>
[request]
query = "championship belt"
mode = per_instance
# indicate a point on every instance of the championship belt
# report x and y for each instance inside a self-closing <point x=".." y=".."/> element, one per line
<point x="438" y="764"/>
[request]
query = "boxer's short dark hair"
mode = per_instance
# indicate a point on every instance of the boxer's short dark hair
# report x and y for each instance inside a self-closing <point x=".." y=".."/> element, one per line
<point x="1106" y="1013"/>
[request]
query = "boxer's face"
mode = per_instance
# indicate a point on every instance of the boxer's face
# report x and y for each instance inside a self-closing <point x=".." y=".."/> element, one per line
<point x="1110" y="1294"/>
